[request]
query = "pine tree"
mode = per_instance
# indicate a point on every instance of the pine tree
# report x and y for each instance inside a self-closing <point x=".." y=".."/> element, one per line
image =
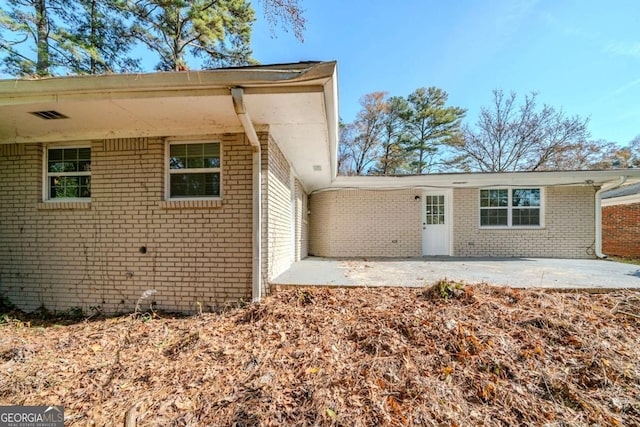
<point x="99" y="38"/>
<point x="30" y="35"/>
<point x="53" y="37"/>
<point x="431" y="124"/>
<point x="218" y="32"/>
<point x="393" y="158"/>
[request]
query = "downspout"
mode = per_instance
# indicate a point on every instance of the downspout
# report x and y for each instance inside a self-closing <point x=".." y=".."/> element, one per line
<point x="256" y="267"/>
<point x="598" y="244"/>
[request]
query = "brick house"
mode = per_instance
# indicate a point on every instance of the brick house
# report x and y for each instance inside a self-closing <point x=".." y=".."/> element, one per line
<point x="206" y="185"/>
<point x="516" y="214"/>
<point x="621" y="221"/>
<point x="194" y="184"/>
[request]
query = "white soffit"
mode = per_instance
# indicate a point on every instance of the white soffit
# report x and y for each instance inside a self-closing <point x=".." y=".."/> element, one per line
<point x="117" y="118"/>
<point x="298" y="124"/>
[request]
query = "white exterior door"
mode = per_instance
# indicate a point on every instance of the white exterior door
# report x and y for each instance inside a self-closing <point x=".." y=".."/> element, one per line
<point x="436" y="222"/>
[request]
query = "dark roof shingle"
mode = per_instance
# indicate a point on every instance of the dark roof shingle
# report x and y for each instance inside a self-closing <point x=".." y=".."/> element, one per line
<point x="626" y="190"/>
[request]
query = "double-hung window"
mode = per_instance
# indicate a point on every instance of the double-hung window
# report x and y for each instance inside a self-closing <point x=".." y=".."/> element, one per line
<point x="194" y="170"/>
<point x="511" y="207"/>
<point x="68" y="173"/>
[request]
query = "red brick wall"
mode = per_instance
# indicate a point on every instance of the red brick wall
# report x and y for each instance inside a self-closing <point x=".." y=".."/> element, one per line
<point x="621" y="230"/>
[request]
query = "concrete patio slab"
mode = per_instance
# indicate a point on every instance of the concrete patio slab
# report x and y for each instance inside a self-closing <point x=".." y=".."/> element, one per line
<point x="417" y="272"/>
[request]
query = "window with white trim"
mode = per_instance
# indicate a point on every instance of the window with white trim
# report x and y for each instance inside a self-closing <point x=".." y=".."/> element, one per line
<point x="511" y="207"/>
<point x="194" y="170"/>
<point x="68" y="173"/>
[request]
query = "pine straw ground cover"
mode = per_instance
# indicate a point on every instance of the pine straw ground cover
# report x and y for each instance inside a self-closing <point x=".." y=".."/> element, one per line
<point x="446" y="355"/>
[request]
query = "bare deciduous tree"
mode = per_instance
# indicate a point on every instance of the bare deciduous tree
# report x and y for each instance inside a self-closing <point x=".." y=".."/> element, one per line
<point x="399" y="135"/>
<point x="345" y="152"/>
<point x="596" y="154"/>
<point x="367" y="130"/>
<point x="510" y="136"/>
<point x="288" y="13"/>
<point x="620" y="157"/>
<point x="632" y="154"/>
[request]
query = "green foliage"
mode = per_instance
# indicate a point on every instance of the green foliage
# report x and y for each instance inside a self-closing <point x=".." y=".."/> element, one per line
<point x="217" y="32"/>
<point x="28" y="23"/>
<point x="430" y="124"/>
<point x="6" y="308"/>
<point x="54" y="37"/>
<point x="397" y="135"/>
<point x="422" y="134"/>
<point x="48" y="37"/>
<point x="444" y="290"/>
<point x="42" y="313"/>
<point x="99" y="38"/>
<point x="7" y="319"/>
<point x="393" y="157"/>
<point x="74" y="313"/>
<point x="305" y="297"/>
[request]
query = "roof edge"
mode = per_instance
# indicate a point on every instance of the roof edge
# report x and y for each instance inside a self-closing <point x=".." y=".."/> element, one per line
<point x="266" y="75"/>
<point x="485" y="179"/>
<point x="625" y="190"/>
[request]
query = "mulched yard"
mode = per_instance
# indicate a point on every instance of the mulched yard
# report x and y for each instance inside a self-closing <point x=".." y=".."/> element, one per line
<point x="447" y="355"/>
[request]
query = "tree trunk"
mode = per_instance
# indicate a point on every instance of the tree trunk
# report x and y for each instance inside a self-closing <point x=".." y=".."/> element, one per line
<point x="42" y="28"/>
<point x="420" y="168"/>
<point x="94" y="23"/>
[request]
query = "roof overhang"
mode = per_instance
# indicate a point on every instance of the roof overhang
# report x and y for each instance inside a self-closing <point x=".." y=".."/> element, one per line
<point x="486" y="180"/>
<point x="622" y="200"/>
<point x="296" y="103"/>
<point x="625" y="195"/>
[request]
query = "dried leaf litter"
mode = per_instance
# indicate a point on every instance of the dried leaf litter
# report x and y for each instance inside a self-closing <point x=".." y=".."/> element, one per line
<point x="447" y="355"/>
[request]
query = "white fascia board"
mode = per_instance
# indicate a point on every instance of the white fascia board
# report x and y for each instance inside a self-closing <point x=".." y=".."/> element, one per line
<point x="475" y="180"/>
<point x="205" y="83"/>
<point x="333" y="121"/>
<point x="623" y="200"/>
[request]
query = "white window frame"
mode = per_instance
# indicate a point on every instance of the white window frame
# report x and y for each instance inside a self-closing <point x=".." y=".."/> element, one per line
<point x="169" y="171"/>
<point x="46" y="188"/>
<point x="509" y="208"/>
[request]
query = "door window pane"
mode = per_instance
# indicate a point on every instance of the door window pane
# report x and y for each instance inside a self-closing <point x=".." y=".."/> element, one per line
<point x="435" y="211"/>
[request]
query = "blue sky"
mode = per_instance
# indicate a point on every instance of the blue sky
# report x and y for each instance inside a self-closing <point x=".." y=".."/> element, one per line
<point x="580" y="56"/>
